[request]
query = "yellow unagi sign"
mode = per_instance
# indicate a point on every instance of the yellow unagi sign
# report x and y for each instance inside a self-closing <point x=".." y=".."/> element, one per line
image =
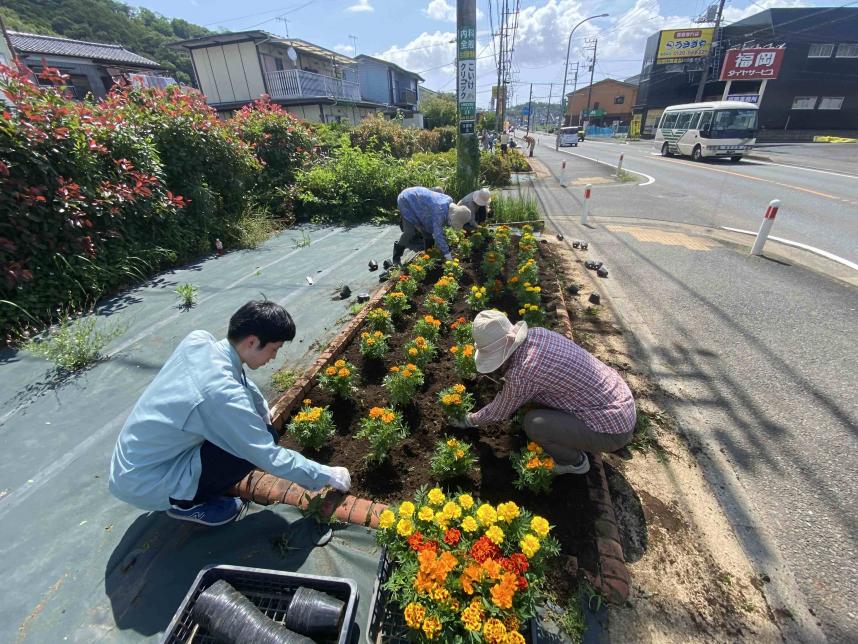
<point x="679" y="44"/>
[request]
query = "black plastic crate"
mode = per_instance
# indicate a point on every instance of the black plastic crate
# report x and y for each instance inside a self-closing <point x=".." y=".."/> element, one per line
<point x="269" y="590"/>
<point x="386" y="621"/>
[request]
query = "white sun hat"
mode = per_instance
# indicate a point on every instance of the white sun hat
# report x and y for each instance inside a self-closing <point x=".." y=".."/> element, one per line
<point x="458" y="216"/>
<point x="482" y="197"/>
<point x="495" y="339"/>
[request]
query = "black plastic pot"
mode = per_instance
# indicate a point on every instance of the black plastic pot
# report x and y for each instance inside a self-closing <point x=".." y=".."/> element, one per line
<point x="573" y="289"/>
<point x="345" y="292"/>
<point x="373" y="265"/>
<point x="595" y="298"/>
<point x="584" y="245"/>
<point x="383" y="276"/>
<point x="386" y="264"/>
<point x="315" y="614"/>
<point x="363" y="297"/>
<point x="229" y="616"/>
<point x="559" y="237"/>
<point x="602" y="272"/>
<point x="576" y="244"/>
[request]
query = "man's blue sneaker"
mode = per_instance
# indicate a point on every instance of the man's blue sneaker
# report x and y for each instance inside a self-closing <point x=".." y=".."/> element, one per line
<point x="218" y="511"/>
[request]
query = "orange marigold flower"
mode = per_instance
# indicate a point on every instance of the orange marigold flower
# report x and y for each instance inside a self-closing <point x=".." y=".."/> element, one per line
<point x="344" y="373"/>
<point x="330" y="371"/>
<point x="375" y="412"/>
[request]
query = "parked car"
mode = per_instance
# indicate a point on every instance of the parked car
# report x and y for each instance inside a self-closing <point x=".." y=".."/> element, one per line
<point x="569" y="136"/>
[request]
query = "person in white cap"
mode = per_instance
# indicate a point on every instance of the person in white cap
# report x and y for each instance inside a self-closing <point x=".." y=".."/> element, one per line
<point x="478" y="203"/>
<point x="424" y="214"/>
<point x="580" y="402"/>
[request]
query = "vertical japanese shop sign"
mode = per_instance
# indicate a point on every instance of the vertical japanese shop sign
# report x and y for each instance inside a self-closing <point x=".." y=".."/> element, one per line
<point x="467" y="77"/>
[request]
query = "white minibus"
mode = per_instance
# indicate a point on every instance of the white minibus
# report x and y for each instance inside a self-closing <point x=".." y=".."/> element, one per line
<point x="716" y="129"/>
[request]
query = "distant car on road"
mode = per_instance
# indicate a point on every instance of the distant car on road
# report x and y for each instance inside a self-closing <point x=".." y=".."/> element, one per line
<point x="568" y="136"/>
<point x="700" y="130"/>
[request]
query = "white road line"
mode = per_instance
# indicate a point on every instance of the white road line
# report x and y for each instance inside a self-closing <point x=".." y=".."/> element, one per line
<point x="789" y="242"/>
<point x="650" y="179"/>
<point x="43" y="476"/>
<point x="798" y="167"/>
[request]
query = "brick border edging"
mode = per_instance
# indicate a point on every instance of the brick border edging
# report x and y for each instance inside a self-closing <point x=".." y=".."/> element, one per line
<point x="267" y="489"/>
<point x="613" y="578"/>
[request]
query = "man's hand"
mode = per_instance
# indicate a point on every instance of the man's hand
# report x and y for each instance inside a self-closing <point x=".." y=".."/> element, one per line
<point x="462" y="423"/>
<point x="340" y="479"/>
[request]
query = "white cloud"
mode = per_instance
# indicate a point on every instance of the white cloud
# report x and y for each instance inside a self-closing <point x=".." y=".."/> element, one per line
<point x="425" y="52"/>
<point x="732" y="14"/>
<point x="345" y="49"/>
<point x="361" y="6"/>
<point x="441" y="10"/>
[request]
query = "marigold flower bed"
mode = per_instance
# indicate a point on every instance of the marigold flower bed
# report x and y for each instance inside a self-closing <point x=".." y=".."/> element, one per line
<point x="407" y="466"/>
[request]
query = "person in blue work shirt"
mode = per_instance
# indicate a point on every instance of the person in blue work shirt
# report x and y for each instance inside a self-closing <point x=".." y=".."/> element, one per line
<point x="423" y="215"/>
<point x="201" y="426"/>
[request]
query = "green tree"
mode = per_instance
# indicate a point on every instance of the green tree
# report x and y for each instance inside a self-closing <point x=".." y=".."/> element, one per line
<point x="439" y="110"/>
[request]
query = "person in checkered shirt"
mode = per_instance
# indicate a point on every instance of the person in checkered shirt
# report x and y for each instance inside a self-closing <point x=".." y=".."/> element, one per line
<point x="580" y="402"/>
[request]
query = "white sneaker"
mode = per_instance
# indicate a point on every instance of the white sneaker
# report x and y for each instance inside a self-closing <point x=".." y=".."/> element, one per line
<point x="582" y="468"/>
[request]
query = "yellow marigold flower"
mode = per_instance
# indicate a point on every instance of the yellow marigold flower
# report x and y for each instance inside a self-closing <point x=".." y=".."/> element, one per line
<point x="466" y="501"/>
<point x="440" y="594"/>
<point x="394" y="369"/>
<point x="512" y="624"/>
<point x="529" y="545"/>
<point x="370" y="342"/>
<point x="521" y="311"/>
<point x="540" y="526"/>
<point x="406" y="373"/>
<point x="426" y="513"/>
<point x="307" y="401"/>
<point x="454" y="348"/>
<point x="532" y="463"/>
<point x="468" y="350"/>
<point x="404" y="527"/>
<point x="514" y="637"/>
<point x="486" y="514"/>
<point x="495" y="535"/>
<point x="414" y="615"/>
<point x="386" y="519"/>
<point x="494" y="631"/>
<point x="548" y="463"/>
<point x="533" y="447"/>
<point x="441" y="520"/>
<point x="406" y="509"/>
<point x="413" y="367"/>
<point x="388" y="417"/>
<point x="459" y="389"/>
<point x="330" y="371"/>
<point x="459" y="453"/>
<point x="412" y="351"/>
<point x="436" y="496"/>
<point x="431" y="627"/>
<point x="508" y="511"/>
<point x="452" y="510"/>
<point x="378" y="334"/>
<point x="452" y="442"/>
<point x="344" y="373"/>
<point x="340" y="363"/>
<point x="471" y="618"/>
<point x="469" y="524"/>
<point x="364" y="334"/>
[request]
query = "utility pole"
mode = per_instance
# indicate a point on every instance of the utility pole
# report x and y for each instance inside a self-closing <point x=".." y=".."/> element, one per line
<point x="548" y="109"/>
<point x="354" y="45"/>
<point x="574" y="89"/>
<point x="529" y="107"/>
<point x="467" y="150"/>
<point x="592" y="71"/>
<point x="705" y="75"/>
<point x="500" y="70"/>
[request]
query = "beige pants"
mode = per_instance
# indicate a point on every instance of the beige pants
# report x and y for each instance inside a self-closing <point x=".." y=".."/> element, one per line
<point x="564" y="436"/>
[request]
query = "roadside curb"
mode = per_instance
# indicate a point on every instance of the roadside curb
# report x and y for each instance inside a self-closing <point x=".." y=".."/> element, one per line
<point x="612" y="580"/>
<point x="266" y="489"/>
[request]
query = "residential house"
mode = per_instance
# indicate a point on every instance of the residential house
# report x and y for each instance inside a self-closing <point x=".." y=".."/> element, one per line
<point x="314" y="83"/>
<point x="389" y="84"/>
<point x="609" y="100"/>
<point x="92" y="67"/>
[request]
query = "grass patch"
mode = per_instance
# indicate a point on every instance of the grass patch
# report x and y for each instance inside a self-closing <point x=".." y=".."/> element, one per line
<point x="187" y="295"/>
<point x="592" y="312"/>
<point x="254" y="227"/>
<point x="506" y="209"/>
<point x="572" y="620"/>
<point x="356" y="308"/>
<point x="304" y="241"/>
<point x="644" y="438"/>
<point x="283" y="379"/>
<point x="74" y="343"/>
<point x="626" y="176"/>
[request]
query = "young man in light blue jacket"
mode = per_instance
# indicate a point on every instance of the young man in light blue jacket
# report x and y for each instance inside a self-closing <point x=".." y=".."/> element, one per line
<point x="201" y="426"/>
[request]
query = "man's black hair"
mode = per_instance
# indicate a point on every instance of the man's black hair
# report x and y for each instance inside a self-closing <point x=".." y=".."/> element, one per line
<point x="268" y="321"/>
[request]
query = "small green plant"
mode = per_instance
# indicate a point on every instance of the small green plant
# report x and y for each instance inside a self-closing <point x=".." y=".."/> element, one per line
<point x="373" y="345"/>
<point x="254" y="226"/>
<point x="477" y="298"/>
<point x="304" y="241"/>
<point x="407" y="284"/>
<point x="532" y="314"/>
<point x="526" y="246"/>
<point x="437" y="306"/>
<point x="379" y="320"/>
<point x="312" y="427"/>
<point x="571" y="620"/>
<point x="446" y="288"/>
<point x="528" y="271"/>
<point x="428" y="327"/>
<point x="492" y="265"/>
<point x="453" y="269"/>
<point x="535" y="470"/>
<point x="420" y="351"/>
<point x="456" y="401"/>
<point x="461" y="329"/>
<point x="402" y="383"/>
<point x="591" y="596"/>
<point x="515" y="209"/>
<point x="592" y="312"/>
<point x="397" y="303"/>
<point x="463" y="356"/>
<point x="187" y="295"/>
<point x="383" y="428"/>
<point x="452" y="458"/>
<point x="74" y="343"/>
<point x="356" y="308"/>
<point x="339" y="379"/>
<point x="283" y="379"/>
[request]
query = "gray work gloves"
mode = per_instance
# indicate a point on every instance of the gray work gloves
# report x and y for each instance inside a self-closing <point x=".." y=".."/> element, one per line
<point x="462" y="423"/>
<point x="340" y="479"/>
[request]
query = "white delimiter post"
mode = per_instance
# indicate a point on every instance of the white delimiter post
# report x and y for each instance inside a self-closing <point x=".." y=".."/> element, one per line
<point x="765" y="228"/>
<point x="563" y="174"/>
<point x="586" y="212"/>
<point x="620" y="166"/>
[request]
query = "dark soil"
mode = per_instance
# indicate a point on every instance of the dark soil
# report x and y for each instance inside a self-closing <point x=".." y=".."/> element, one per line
<point x="406" y="468"/>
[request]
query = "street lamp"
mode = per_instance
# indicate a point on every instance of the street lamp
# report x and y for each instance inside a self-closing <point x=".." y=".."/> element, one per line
<point x="566" y="72"/>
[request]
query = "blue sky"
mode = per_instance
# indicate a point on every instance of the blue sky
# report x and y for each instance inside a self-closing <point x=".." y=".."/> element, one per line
<point x="416" y="33"/>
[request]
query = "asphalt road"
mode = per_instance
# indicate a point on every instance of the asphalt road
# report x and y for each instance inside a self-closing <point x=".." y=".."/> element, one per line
<point x="818" y="207"/>
<point x="759" y="353"/>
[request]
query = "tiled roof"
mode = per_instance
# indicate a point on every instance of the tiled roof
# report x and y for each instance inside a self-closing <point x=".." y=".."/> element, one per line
<point x="53" y="45"/>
